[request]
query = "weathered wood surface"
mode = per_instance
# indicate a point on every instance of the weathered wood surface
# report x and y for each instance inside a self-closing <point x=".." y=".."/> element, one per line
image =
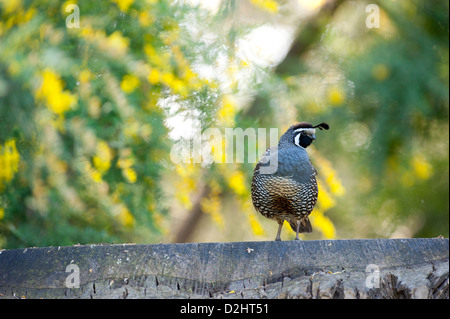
<point x="408" y="268"/>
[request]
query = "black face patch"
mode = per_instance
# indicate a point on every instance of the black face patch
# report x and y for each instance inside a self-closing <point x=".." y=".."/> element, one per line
<point x="302" y="139"/>
<point x="305" y="140"/>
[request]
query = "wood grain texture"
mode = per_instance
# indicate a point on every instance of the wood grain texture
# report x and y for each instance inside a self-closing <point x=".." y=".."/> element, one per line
<point x="408" y="268"/>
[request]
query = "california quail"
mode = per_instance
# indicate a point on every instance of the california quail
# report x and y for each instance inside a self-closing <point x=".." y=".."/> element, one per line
<point x="284" y="185"/>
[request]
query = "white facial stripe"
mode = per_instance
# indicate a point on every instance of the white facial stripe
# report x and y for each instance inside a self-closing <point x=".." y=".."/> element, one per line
<point x="297" y="140"/>
<point x="308" y="131"/>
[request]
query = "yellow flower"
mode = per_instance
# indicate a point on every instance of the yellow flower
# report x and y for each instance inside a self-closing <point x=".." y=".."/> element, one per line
<point x="256" y="227"/>
<point x="9" y="162"/>
<point x="2" y="213"/>
<point x="103" y="157"/>
<point x="227" y="112"/>
<point x="336" y="96"/>
<point x="85" y="76"/>
<point x="125" y="217"/>
<point x="326" y="170"/>
<point x="179" y="87"/>
<point x="246" y="207"/>
<point x="324" y="200"/>
<point x="154" y="76"/>
<point x="323" y="224"/>
<point x="124" y="4"/>
<point x="129" y="83"/>
<point x="237" y="183"/>
<point x="130" y="175"/>
<point x="145" y="19"/>
<point x="422" y="169"/>
<point x="11" y="5"/>
<point x="152" y="54"/>
<point x="168" y="78"/>
<point x="267" y="5"/>
<point x="52" y="93"/>
<point x="65" y="4"/>
<point x="92" y="173"/>
<point x="87" y="32"/>
<point x="60" y="103"/>
<point x="117" y="44"/>
<point x="125" y="162"/>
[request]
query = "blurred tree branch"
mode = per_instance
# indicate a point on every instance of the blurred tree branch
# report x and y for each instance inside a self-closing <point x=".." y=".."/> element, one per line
<point x="306" y="36"/>
<point x="185" y="232"/>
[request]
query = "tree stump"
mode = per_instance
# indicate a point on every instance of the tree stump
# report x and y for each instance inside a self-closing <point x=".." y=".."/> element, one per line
<point x="367" y="268"/>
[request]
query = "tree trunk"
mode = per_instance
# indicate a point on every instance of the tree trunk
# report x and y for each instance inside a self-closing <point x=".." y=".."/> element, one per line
<point x="368" y="268"/>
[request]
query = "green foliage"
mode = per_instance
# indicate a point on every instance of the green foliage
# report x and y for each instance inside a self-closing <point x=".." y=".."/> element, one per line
<point x="81" y="105"/>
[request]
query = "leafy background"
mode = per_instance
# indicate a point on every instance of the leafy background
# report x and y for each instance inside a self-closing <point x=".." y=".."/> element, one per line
<point x="89" y="116"/>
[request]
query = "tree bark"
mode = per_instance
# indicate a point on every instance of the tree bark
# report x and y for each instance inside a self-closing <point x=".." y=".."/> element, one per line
<point x="370" y="268"/>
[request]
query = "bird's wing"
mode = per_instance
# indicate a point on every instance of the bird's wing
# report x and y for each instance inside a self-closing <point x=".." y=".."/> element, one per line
<point x="286" y="165"/>
<point x="295" y="163"/>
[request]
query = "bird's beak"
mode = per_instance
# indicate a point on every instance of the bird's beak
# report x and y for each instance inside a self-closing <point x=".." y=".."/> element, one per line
<point x="313" y="136"/>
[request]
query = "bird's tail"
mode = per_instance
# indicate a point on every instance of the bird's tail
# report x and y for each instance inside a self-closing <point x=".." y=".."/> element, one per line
<point x="305" y="225"/>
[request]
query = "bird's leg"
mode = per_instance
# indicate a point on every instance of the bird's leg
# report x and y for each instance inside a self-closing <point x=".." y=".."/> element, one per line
<point x="280" y="225"/>
<point x="298" y="229"/>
